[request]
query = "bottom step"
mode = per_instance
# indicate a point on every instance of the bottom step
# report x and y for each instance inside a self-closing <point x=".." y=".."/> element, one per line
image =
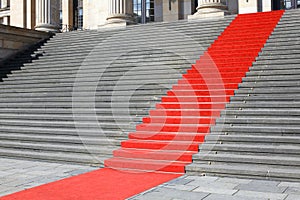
<point x="267" y="172"/>
<point x="78" y="158"/>
<point x="146" y="165"/>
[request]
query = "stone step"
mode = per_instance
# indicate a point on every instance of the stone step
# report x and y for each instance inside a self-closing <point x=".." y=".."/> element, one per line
<point x="101" y="67"/>
<point x="269" y="172"/>
<point x="95" y="77"/>
<point x="291" y="151"/>
<point x="64" y="109"/>
<point x="66" y="117"/>
<point x="275" y="90"/>
<point x="47" y="56"/>
<point x="80" y="71"/>
<point x="282" y="72"/>
<point x="106" y="62"/>
<point x="278" y="57"/>
<point x="275" y="52"/>
<point x="112" y="43"/>
<point x="271" y="78"/>
<point x="259" y="128"/>
<point x="265" y="98"/>
<point x="279" y="161"/>
<point x="279" y="105"/>
<point x="78" y="158"/>
<point x="65" y="124"/>
<point x="139" y="37"/>
<point x="81" y="89"/>
<point x="260" y="111"/>
<point x="276" y="62"/>
<point x="91" y="84"/>
<point x="258" y="120"/>
<point x="98" y="97"/>
<point x="82" y="132"/>
<point x="42" y="146"/>
<point x="252" y="139"/>
<point x="90" y="72"/>
<point x="74" y="101"/>
<point x="109" y="55"/>
<point x="268" y="84"/>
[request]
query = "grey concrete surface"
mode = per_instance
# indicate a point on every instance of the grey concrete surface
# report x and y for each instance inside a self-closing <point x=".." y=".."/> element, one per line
<point x="17" y="175"/>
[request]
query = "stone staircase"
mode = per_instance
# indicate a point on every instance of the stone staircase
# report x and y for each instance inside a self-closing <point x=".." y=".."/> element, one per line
<point x="258" y="135"/>
<point x="167" y="139"/>
<point x="87" y="90"/>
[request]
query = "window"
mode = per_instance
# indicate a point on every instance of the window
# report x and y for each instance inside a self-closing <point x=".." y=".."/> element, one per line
<point x="80" y="17"/>
<point x="143" y="10"/>
<point x="290" y="4"/>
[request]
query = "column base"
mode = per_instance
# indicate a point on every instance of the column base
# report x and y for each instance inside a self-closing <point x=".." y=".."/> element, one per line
<point x="211" y="10"/>
<point x="47" y="28"/>
<point x="119" y="20"/>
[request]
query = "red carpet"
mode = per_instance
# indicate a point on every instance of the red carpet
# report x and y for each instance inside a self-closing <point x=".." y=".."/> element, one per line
<point x="105" y="184"/>
<point x="169" y="137"/>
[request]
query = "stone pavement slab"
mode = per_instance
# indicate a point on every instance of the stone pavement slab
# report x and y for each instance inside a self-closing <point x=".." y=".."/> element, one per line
<point x="17" y="175"/>
<point x="221" y="188"/>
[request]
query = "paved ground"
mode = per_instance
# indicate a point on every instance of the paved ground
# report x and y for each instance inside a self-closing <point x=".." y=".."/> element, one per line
<point x="214" y="188"/>
<point x="17" y="175"/>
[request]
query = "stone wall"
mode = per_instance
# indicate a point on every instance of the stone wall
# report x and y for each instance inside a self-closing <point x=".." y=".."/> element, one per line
<point x="13" y="40"/>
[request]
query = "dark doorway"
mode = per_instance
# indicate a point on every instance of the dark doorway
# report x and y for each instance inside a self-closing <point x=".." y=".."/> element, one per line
<point x="195" y="6"/>
<point x="259" y="5"/>
<point x="276" y="4"/>
<point x="285" y="4"/>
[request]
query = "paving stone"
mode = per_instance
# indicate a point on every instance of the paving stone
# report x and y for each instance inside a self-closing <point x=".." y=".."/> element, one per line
<point x="76" y="172"/>
<point x="203" y="178"/>
<point x="181" y="187"/>
<point x="289" y="184"/>
<point x="215" y="190"/>
<point x="168" y="194"/>
<point x="224" y="185"/>
<point x="230" y="197"/>
<point x="292" y="190"/>
<point x="12" y="190"/>
<point x="234" y="180"/>
<point x="261" y="186"/>
<point x="292" y="197"/>
<point x="180" y="181"/>
<point x="254" y="194"/>
<point x="19" y="177"/>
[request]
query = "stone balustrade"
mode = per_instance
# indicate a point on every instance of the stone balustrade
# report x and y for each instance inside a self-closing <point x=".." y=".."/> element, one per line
<point x="13" y="40"/>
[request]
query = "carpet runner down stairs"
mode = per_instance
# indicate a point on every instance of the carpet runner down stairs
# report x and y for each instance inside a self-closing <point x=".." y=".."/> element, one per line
<point x="170" y="136"/>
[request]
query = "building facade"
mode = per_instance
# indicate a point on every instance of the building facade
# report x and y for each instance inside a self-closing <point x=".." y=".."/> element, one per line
<point x="51" y="15"/>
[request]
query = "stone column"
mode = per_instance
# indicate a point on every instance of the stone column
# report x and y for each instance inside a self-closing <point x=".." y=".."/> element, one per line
<point x="120" y="13"/>
<point x="210" y="8"/>
<point x="47" y="15"/>
<point x="5" y="5"/>
<point x="67" y="15"/>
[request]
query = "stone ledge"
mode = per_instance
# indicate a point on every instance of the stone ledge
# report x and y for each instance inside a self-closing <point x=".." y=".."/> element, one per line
<point x="14" y="39"/>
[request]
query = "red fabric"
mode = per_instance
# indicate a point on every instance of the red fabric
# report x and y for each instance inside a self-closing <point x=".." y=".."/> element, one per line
<point x="106" y="184"/>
